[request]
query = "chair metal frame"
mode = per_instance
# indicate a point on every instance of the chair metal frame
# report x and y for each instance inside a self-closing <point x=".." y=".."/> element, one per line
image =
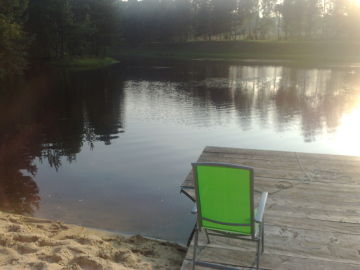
<point x="256" y="225"/>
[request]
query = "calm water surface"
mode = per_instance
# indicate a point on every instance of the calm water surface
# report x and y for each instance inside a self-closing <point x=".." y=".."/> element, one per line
<point x="110" y="148"/>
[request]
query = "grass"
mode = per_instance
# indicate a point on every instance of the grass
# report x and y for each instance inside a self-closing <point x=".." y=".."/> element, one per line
<point x="85" y="63"/>
<point x="301" y="51"/>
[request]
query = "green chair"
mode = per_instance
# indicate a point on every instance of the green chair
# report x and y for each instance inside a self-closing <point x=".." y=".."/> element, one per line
<point x="225" y="205"/>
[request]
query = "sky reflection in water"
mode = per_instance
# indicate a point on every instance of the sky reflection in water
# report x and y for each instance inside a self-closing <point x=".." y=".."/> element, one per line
<point x="119" y="141"/>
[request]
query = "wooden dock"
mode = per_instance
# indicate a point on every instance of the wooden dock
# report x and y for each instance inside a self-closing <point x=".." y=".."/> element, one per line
<point x="312" y="217"/>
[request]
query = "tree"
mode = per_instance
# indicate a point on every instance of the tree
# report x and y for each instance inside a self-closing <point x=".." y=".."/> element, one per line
<point x="278" y="11"/>
<point x="182" y="19"/>
<point x="132" y="22"/>
<point x="354" y="22"/>
<point x="14" y="41"/>
<point x="247" y="9"/>
<point x="82" y="28"/>
<point x="299" y="13"/>
<point x="221" y="16"/>
<point x="66" y="28"/>
<point x="202" y="23"/>
<point x="105" y="16"/>
<point x="51" y="21"/>
<point x="266" y="22"/>
<point x="288" y="17"/>
<point x="312" y="12"/>
<point x="338" y="10"/>
<point x="166" y="21"/>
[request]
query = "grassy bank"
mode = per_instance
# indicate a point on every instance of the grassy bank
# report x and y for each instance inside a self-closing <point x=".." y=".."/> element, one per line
<point x="269" y="50"/>
<point x="84" y="63"/>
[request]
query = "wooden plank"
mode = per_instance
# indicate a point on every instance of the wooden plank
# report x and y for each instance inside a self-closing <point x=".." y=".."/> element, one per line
<point x="346" y="221"/>
<point x="282" y="175"/>
<point x="311" y="224"/>
<point x="301" y="243"/>
<point x="310" y="204"/>
<point x="187" y="265"/>
<point x="323" y="193"/>
<point x="313" y="187"/>
<point x="282" y="154"/>
<point x="270" y="261"/>
<point x="342" y="169"/>
<point x="293" y="242"/>
<point x="270" y="159"/>
<point x="332" y="169"/>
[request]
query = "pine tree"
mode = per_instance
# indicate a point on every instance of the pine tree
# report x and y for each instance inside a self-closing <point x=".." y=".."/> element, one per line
<point x="14" y="41"/>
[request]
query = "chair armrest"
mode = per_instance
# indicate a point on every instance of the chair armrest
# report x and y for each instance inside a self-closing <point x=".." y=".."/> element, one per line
<point x="194" y="209"/>
<point x="261" y="208"/>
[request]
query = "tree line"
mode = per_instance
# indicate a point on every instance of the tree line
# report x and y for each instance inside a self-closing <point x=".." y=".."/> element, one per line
<point x="46" y="29"/>
<point x="74" y="27"/>
<point x="183" y="20"/>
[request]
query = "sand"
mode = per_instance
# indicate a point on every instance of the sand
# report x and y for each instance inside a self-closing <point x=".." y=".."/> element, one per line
<point x="30" y="243"/>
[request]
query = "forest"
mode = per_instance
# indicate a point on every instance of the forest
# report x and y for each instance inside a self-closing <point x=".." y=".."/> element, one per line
<point x="40" y="30"/>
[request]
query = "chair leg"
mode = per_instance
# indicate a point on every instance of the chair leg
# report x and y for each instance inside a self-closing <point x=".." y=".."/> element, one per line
<point x="207" y="236"/>
<point x="195" y="245"/>
<point x="260" y="246"/>
<point x="262" y="237"/>
<point x="258" y="255"/>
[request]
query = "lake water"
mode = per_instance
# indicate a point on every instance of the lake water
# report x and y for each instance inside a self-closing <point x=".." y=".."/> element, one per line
<point x="109" y="148"/>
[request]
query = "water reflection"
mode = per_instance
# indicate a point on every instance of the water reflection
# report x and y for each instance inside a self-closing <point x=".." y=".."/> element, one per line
<point x="104" y="108"/>
<point x="19" y="192"/>
<point x="281" y="98"/>
<point x="349" y="131"/>
<point x="49" y="118"/>
<point x="72" y="126"/>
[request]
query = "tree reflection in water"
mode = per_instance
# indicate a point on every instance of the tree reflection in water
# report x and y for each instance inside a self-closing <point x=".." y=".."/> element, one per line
<point x="19" y="193"/>
<point x="49" y="118"/>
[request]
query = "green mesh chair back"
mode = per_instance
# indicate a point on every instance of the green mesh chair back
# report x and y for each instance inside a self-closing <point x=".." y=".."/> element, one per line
<point x="224" y="197"/>
<point x="225" y="207"/>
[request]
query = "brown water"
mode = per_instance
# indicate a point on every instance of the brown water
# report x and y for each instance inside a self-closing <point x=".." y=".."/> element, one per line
<point x="109" y="148"/>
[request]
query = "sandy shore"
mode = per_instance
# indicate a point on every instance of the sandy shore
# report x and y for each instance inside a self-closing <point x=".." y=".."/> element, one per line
<point x="29" y="243"/>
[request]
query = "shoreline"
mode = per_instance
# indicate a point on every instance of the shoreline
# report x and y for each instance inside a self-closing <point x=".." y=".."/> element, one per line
<point x="32" y="243"/>
<point x="82" y="63"/>
<point x="322" y="52"/>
